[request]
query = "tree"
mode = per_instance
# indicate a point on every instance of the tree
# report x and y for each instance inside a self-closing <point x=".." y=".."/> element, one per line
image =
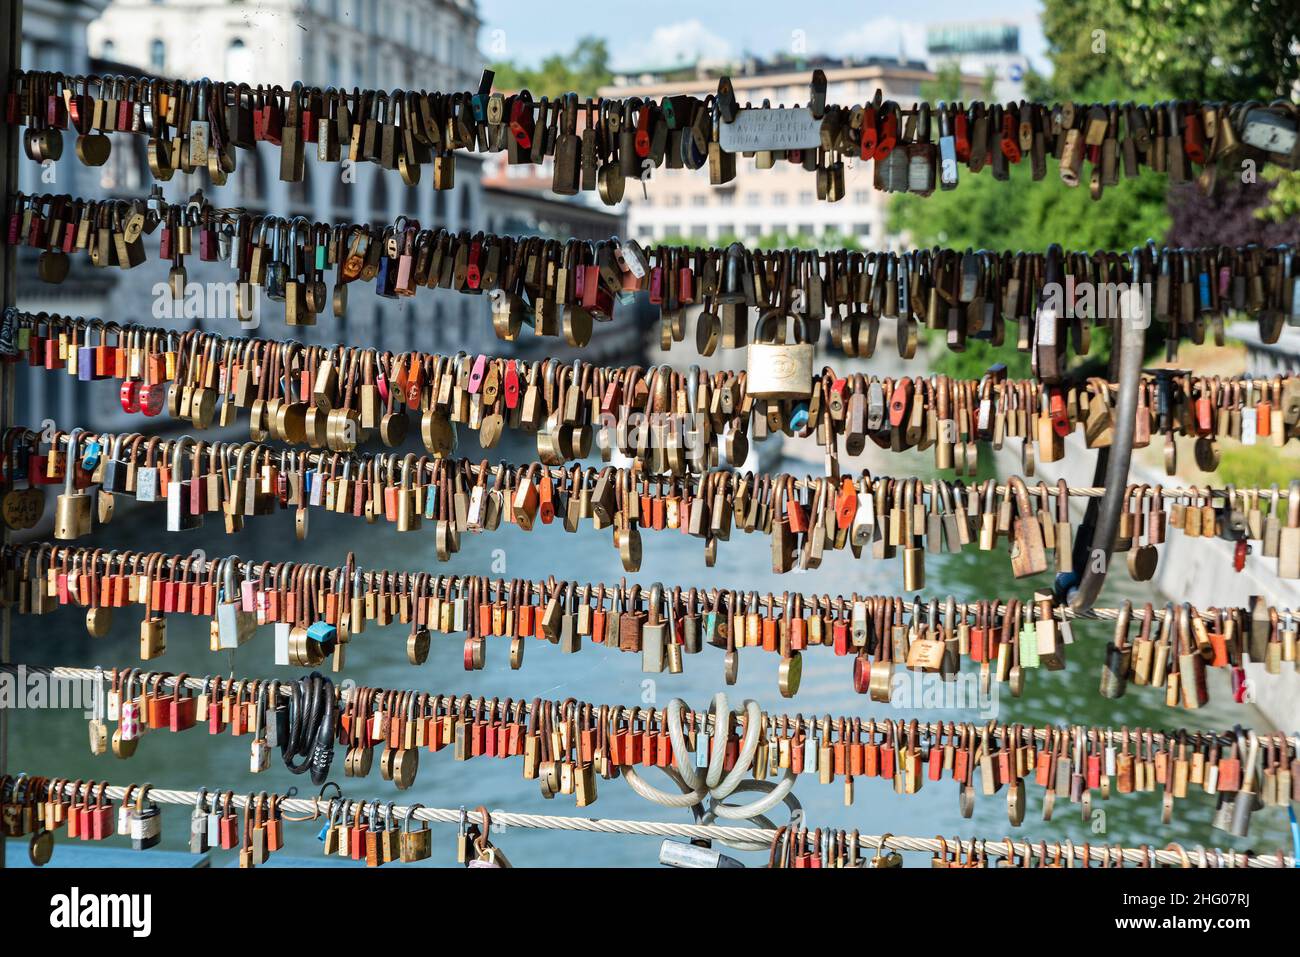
<point x="983" y="213"/>
<point x="581" y="71"/>
<point x="1234" y="214"/>
<point x="1143" y="51"/>
<point x="1209" y="49"/>
<point x="947" y="85"/>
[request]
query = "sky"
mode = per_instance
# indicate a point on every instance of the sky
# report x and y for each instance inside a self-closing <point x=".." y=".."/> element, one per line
<point x="644" y="35"/>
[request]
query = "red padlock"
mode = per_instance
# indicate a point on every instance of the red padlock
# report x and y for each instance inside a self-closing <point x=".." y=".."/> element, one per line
<point x="152" y="396"/>
<point x="130" y="396"/>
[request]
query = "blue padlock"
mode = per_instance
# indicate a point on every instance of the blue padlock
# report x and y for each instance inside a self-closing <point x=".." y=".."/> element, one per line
<point x="323" y="633"/>
<point x="799" y="416"/>
<point x="90" y="457"/>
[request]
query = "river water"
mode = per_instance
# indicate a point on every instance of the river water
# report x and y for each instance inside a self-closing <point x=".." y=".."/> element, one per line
<point x="55" y="742"/>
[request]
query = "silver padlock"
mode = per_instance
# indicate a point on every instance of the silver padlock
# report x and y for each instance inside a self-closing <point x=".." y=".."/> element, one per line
<point x="654" y="634"/>
<point x="235" y="626"/>
<point x="180" y="516"/>
<point x="680" y="854"/>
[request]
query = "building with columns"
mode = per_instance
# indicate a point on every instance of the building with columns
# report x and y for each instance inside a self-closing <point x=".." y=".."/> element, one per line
<point x="425" y="44"/>
<point x="54" y="38"/>
<point x="429" y="44"/>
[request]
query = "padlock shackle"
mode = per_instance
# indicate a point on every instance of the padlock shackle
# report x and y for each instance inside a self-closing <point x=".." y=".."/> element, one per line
<point x="70" y="460"/>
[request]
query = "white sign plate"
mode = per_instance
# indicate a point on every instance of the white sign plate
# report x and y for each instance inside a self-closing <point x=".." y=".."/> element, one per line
<point x="784" y="129"/>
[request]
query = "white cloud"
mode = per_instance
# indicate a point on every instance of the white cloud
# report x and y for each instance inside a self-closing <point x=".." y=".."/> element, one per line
<point x="882" y="35"/>
<point x="683" y="42"/>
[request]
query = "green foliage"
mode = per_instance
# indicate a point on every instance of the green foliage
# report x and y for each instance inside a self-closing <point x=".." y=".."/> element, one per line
<point x="1249" y="466"/>
<point x="1284" y="197"/>
<point x="1069" y="27"/>
<point x="977" y="357"/>
<point x="581" y="71"/>
<point x="982" y="213"/>
<point x="947" y="85"/>
<point x="1209" y="49"/>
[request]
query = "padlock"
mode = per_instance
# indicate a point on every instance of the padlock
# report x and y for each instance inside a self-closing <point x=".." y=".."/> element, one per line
<point x="1119" y="657"/>
<point x="484" y="852"/>
<point x="73" y="507"/>
<point x="779" y="370"/>
<point x="145" y="822"/>
<point x="654" y="633"/>
<point x="416" y="842"/>
<point x="115" y="468"/>
<point x="1247" y="798"/>
<point x="680" y="854"/>
<point x="1028" y="554"/>
<point x="1288" y="549"/>
<point x="199" y="824"/>
<point x="408" y="515"/>
<point x="235" y="625"/>
<point x="180" y="516"/>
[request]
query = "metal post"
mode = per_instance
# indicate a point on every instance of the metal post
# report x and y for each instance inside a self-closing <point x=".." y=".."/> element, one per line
<point x="11" y="28"/>
<point x="1093" y="555"/>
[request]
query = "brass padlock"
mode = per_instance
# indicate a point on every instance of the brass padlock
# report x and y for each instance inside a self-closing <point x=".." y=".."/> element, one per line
<point x="73" y="507"/>
<point x="408" y="515"/>
<point x="779" y="370"/>
<point x="891" y="859"/>
<point x="1028" y="555"/>
<point x="153" y="637"/>
<point x="416" y="842"/>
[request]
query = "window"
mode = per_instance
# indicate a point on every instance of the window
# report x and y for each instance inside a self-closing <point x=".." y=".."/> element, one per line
<point x="752" y="199"/>
<point x="108" y="49"/>
<point x="700" y="200"/>
<point x="778" y="199"/>
<point x="158" y="56"/>
<point x="863" y="229"/>
<point x="805" y="198"/>
<point x="699" y="231"/>
<point x="727" y="198"/>
<point x="861" y="197"/>
<point x="673" y="200"/>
